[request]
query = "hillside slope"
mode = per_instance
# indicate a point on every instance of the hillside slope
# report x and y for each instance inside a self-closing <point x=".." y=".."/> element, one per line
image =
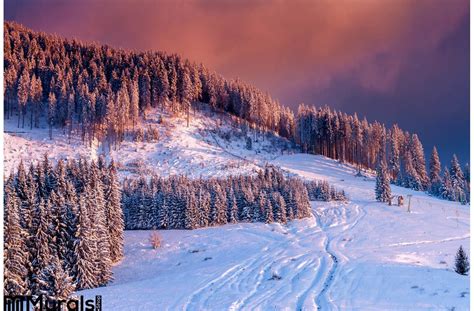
<point x="213" y="145"/>
<point x="359" y="255"/>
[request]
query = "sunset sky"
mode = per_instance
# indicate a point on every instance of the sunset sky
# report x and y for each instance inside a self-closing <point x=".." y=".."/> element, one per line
<point x="396" y="61"/>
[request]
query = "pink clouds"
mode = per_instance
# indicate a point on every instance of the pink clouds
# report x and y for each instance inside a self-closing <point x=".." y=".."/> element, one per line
<point x="265" y="42"/>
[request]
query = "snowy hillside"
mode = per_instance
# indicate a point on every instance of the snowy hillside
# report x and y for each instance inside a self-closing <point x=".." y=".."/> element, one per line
<point x="359" y="255"/>
<point x="213" y="145"/>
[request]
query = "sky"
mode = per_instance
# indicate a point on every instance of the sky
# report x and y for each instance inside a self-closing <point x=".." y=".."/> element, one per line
<point x="395" y="61"/>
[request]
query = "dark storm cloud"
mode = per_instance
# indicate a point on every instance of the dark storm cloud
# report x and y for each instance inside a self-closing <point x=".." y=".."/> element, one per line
<point x="397" y="61"/>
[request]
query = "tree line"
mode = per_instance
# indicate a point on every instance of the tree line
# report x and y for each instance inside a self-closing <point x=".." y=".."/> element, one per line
<point x="63" y="227"/>
<point x="102" y="91"/>
<point x="178" y="202"/>
<point x="371" y="145"/>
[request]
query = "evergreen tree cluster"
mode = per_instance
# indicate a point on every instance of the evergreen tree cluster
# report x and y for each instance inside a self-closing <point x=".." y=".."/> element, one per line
<point x="346" y="138"/>
<point x="101" y="91"/>
<point x="178" y="202"/>
<point x="454" y="185"/>
<point x="63" y="227"/>
<point x="320" y="190"/>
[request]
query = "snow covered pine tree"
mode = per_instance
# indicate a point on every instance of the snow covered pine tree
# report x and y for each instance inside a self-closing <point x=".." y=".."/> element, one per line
<point x="382" y="183"/>
<point x="461" y="265"/>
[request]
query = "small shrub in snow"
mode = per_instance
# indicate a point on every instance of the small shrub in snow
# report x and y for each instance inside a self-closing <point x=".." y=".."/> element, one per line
<point x="155" y="240"/>
<point x="152" y="135"/>
<point x="139" y="135"/>
<point x="461" y="265"/>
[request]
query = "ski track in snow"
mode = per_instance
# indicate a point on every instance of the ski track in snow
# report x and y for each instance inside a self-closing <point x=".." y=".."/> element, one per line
<point x="322" y="301"/>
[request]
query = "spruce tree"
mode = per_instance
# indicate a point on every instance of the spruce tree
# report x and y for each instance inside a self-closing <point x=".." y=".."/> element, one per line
<point x="461" y="265"/>
<point x="115" y="223"/>
<point x="435" y="171"/>
<point x="232" y="210"/>
<point x="96" y="204"/>
<point x="62" y="285"/>
<point x="15" y="258"/>
<point x="85" y="248"/>
<point x="268" y="211"/>
<point x="446" y="188"/>
<point x="382" y="184"/>
<point x="190" y="221"/>
<point x="42" y="256"/>
<point x="279" y="207"/>
<point x="457" y="181"/>
<point x="411" y="179"/>
<point x="419" y="163"/>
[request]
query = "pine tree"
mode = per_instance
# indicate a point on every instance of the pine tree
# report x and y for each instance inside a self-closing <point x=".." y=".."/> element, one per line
<point x="419" y="163"/>
<point x="446" y="188"/>
<point x="115" y="223"/>
<point x="204" y="201"/>
<point x="190" y="221"/>
<point x="382" y="184"/>
<point x="457" y="181"/>
<point x="64" y="227"/>
<point x="259" y="210"/>
<point x="411" y="179"/>
<point x="394" y="152"/>
<point x="85" y="273"/>
<point x="186" y="92"/>
<point x="461" y="265"/>
<point x="134" y="103"/>
<point x="54" y="282"/>
<point x="279" y="207"/>
<point x="15" y="258"/>
<point x="42" y="257"/>
<point x="100" y="232"/>
<point x="62" y="286"/>
<point x="249" y="202"/>
<point x="435" y="171"/>
<point x="268" y="211"/>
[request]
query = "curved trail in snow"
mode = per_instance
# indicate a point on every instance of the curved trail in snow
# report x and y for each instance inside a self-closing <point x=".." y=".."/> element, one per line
<point x="322" y="301"/>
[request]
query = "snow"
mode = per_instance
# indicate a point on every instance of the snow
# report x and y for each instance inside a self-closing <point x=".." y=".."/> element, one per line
<point x="359" y="255"/>
<point x="179" y="150"/>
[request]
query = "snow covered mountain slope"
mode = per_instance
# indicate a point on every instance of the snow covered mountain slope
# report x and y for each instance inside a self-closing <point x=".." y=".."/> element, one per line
<point x="213" y="145"/>
<point x="360" y="255"/>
